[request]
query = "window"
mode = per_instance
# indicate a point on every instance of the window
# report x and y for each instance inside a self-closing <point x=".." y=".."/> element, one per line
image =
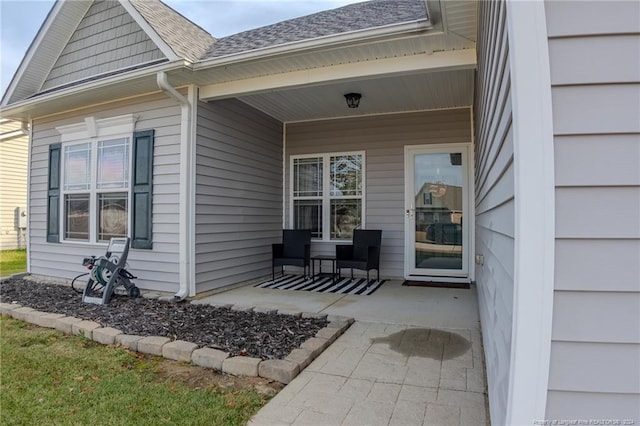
<point x="100" y="182"/>
<point x="95" y="189"/>
<point x="327" y="193"/>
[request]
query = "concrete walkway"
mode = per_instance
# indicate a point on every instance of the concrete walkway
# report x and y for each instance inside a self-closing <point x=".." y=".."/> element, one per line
<point x="413" y="357"/>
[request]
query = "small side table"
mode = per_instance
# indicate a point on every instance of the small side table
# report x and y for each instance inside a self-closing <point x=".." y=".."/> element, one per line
<point x="320" y="258"/>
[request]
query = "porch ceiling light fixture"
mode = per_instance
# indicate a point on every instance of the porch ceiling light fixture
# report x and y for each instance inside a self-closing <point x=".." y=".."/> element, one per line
<point x="353" y="99"/>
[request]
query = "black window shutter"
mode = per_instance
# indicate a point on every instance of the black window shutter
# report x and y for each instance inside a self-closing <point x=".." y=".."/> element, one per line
<point x="53" y="194"/>
<point x="142" y="202"/>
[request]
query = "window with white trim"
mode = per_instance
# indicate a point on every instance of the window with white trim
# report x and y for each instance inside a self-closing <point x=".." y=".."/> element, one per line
<point x="327" y="194"/>
<point x="95" y="190"/>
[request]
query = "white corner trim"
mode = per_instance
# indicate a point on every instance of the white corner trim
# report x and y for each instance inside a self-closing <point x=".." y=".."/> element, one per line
<point x="192" y="96"/>
<point x="534" y="211"/>
<point x="98" y="128"/>
<point x="149" y="31"/>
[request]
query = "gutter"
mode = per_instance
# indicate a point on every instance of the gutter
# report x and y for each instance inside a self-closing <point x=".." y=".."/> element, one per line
<point x="186" y="223"/>
<point x="25" y="105"/>
<point x="324" y="41"/>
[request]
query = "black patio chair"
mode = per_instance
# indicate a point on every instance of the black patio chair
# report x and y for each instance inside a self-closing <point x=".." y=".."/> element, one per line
<point x="295" y="250"/>
<point x="363" y="254"/>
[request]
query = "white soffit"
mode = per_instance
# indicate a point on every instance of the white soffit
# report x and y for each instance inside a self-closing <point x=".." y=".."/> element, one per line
<point x="46" y="48"/>
<point x="415" y="92"/>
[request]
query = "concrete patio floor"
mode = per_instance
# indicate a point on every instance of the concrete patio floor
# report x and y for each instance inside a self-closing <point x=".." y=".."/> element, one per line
<point x="392" y="303"/>
<point x="413" y="357"/>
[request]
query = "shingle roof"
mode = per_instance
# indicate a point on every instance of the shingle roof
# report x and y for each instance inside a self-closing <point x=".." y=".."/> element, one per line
<point x="187" y="39"/>
<point x="191" y="42"/>
<point x="358" y="16"/>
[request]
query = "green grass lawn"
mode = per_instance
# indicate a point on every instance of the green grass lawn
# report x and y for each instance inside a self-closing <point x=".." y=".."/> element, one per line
<point x="12" y="262"/>
<point x="48" y="378"/>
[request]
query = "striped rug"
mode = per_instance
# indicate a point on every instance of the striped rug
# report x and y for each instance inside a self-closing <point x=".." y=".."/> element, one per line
<point x="324" y="285"/>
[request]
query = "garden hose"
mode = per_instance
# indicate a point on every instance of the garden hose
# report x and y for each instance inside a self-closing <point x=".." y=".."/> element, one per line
<point x="99" y="273"/>
<point x="74" y="280"/>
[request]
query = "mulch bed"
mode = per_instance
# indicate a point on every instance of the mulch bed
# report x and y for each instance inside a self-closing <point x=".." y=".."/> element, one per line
<point x="254" y="334"/>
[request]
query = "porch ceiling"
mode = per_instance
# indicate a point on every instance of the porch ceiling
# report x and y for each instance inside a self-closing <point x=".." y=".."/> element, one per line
<point x="423" y="70"/>
<point x="414" y="92"/>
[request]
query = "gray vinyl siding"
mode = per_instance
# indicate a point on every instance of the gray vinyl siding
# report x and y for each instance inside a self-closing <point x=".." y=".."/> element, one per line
<point x="13" y="186"/>
<point x="107" y="39"/>
<point x="383" y="139"/>
<point x="595" y="76"/>
<point x="494" y="201"/>
<point x="238" y="193"/>
<point x="157" y="268"/>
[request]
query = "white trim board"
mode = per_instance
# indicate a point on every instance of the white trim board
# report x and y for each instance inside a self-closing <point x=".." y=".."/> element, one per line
<point x="534" y="212"/>
<point x="100" y="128"/>
<point x="426" y="62"/>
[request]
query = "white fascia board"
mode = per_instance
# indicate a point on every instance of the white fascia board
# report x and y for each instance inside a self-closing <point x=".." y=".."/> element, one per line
<point x="534" y="190"/>
<point x="18" y="108"/>
<point x="148" y="29"/>
<point x="438" y="61"/>
<point x="369" y="34"/>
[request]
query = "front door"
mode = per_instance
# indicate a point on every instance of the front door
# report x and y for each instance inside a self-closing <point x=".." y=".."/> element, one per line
<point x="436" y="212"/>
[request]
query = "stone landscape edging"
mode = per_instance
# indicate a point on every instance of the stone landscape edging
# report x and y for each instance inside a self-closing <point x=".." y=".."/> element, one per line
<point x="281" y="370"/>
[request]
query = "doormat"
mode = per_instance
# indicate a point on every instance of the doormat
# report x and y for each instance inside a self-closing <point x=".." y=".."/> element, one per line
<point x="358" y="286"/>
<point x="439" y="284"/>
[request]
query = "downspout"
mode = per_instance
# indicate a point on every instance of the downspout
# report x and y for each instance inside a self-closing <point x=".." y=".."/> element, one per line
<point x="27" y="231"/>
<point x="186" y="135"/>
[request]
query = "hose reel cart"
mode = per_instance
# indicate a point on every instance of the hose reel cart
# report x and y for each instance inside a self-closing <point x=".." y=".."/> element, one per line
<point x="108" y="272"/>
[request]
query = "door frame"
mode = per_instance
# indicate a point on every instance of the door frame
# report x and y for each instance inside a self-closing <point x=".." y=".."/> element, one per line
<point x="468" y="225"/>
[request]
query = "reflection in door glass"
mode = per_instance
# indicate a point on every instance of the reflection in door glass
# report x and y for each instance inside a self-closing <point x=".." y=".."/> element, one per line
<point x="438" y="211"/>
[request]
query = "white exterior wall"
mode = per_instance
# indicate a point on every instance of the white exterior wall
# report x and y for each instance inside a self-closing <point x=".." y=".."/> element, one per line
<point x="238" y="193"/>
<point x="13" y="184"/>
<point x="495" y="202"/>
<point x="383" y="139"/>
<point x="157" y="268"/>
<point x="107" y="39"/>
<point x="595" y="77"/>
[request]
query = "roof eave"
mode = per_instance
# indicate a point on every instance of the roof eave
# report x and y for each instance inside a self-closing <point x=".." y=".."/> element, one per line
<point x="22" y="110"/>
<point x="369" y="34"/>
<point x="36" y="43"/>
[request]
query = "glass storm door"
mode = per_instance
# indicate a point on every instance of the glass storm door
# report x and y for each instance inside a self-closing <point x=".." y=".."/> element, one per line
<point x="436" y="222"/>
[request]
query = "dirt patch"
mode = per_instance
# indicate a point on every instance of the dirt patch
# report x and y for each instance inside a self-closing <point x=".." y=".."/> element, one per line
<point x="195" y="377"/>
